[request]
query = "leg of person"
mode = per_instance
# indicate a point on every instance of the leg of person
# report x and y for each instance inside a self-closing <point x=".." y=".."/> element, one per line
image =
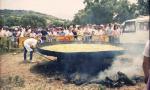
<point x="148" y="84"/>
<point x="101" y="39"/>
<point x="118" y="39"/>
<point x="88" y="38"/>
<point x="111" y="39"/>
<point x="25" y="54"/>
<point x="31" y="55"/>
<point x="115" y="40"/>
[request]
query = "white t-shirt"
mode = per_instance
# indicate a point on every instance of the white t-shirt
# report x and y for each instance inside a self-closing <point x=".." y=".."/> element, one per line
<point x="70" y="33"/>
<point x="32" y="35"/>
<point x="66" y="32"/>
<point x="30" y="42"/>
<point x="22" y="32"/>
<point x="2" y="33"/>
<point x="55" y="33"/>
<point x="116" y="33"/>
<point x="18" y="34"/>
<point x="147" y="49"/>
<point x="29" y="30"/>
<point x="101" y="32"/>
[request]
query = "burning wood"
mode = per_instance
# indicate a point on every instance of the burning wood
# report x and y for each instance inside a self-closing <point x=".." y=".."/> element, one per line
<point x="54" y="70"/>
<point x="121" y="80"/>
<point x="82" y="67"/>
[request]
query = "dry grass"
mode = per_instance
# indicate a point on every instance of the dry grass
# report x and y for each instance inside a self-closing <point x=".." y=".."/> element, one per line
<point x="16" y="75"/>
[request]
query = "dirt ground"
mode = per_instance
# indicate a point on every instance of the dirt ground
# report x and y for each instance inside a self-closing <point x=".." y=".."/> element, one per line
<point x="12" y="65"/>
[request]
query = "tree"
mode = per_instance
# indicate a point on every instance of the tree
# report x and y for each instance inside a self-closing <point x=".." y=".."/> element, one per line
<point x="10" y="21"/>
<point x="57" y="23"/>
<point x="124" y="11"/>
<point x="143" y="7"/>
<point x="1" y="21"/>
<point x="33" y="21"/>
<point x="95" y="12"/>
<point x="105" y="11"/>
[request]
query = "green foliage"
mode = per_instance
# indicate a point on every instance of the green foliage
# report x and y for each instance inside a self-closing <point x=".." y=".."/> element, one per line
<point x="143" y="7"/>
<point x="57" y="23"/>
<point x="27" y="18"/>
<point x="65" y="23"/>
<point x="105" y="11"/>
<point x="1" y="21"/>
<point x="33" y="21"/>
<point x="124" y="11"/>
<point x="12" y="21"/>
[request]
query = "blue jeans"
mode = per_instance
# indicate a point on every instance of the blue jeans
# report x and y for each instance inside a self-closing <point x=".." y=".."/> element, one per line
<point x="25" y="54"/>
<point x="110" y="39"/>
<point x="87" y="38"/>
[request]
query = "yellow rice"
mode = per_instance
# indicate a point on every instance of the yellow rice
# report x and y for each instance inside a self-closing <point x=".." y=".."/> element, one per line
<point x="81" y="47"/>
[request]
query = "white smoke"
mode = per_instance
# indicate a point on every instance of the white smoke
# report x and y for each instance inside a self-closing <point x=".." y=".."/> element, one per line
<point x="131" y="66"/>
<point x="131" y="62"/>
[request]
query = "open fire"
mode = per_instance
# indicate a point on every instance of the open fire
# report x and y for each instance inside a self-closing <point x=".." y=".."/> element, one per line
<point x="85" y="68"/>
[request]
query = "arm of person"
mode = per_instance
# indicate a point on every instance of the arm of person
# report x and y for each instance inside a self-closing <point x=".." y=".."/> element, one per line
<point x="33" y="45"/>
<point x="28" y="47"/>
<point x="146" y="61"/>
<point x="146" y="67"/>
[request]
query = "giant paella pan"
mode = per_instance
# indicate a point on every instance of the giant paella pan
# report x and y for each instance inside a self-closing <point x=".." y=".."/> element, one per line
<point x="82" y="57"/>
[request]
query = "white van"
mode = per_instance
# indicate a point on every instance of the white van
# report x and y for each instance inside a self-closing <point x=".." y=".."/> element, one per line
<point x="136" y="30"/>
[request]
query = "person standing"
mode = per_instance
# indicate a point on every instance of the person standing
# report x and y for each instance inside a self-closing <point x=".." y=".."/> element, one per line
<point x="102" y="33"/>
<point x="87" y="34"/>
<point x="109" y="32"/>
<point x="44" y="34"/>
<point x="75" y="34"/>
<point x="32" y="34"/>
<point x="116" y="34"/>
<point x="29" y="45"/>
<point x="146" y="64"/>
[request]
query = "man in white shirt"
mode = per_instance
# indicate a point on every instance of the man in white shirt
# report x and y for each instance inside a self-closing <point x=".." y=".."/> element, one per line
<point x="2" y="32"/>
<point x="29" y="45"/>
<point x="146" y="64"/>
<point x="33" y="34"/>
<point x="66" y="31"/>
<point x="22" y="34"/>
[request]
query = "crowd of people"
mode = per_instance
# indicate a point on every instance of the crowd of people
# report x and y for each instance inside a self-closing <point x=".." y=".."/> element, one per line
<point x="102" y="33"/>
<point x="86" y="33"/>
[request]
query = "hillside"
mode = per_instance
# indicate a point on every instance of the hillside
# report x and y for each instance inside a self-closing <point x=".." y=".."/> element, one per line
<point x="19" y="13"/>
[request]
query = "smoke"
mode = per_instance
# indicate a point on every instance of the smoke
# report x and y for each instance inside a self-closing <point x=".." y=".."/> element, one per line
<point x="138" y="37"/>
<point x="131" y="66"/>
<point x="81" y="67"/>
<point x="131" y="62"/>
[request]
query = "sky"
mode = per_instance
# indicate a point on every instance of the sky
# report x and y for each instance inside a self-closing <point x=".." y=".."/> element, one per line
<point x="65" y="9"/>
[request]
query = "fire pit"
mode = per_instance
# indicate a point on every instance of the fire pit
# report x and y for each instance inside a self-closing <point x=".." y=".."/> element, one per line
<point x="83" y="58"/>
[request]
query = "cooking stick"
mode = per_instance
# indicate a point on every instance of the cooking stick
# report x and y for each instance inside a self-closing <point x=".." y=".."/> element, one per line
<point x="47" y="57"/>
